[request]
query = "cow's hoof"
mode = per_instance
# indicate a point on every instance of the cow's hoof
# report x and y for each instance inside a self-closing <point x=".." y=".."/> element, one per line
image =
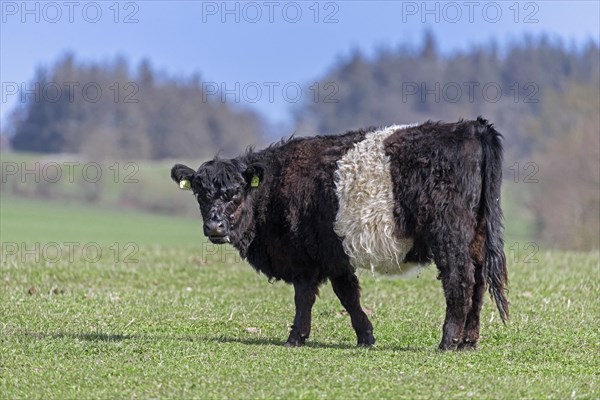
<point x="447" y="348"/>
<point x="467" y="345"/>
<point x="366" y="340"/>
<point x="448" y="345"/>
<point x="296" y="343"/>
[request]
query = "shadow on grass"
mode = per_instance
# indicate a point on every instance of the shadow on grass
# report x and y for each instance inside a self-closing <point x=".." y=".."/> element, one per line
<point x="91" y="336"/>
<point x="94" y="336"/>
<point x="273" y="342"/>
<point x="116" y="337"/>
<point x="309" y="344"/>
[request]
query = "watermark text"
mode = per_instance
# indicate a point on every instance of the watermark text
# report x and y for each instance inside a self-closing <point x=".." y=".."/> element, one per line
<point x="54" y="92"/>
<point x="253" y="12"/>
<point x="270" y="91"/>
<point x="457" y="92"/>
<point x="69" y="171"/>
<point x="54" y="12"/>
<point x="470" y="12"/>
<point x="54" y="252"/>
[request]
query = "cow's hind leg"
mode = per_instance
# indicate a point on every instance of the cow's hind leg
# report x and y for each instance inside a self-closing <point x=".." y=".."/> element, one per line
<point x="470" y="335"/>
<point x="456" y="271"/>
<point x="305" y="294"/>
<point x="347" y="289"/>
<point x="471" y="332"/>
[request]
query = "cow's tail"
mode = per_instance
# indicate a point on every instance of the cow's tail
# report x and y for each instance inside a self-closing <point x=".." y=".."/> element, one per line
<point x="495" y="259"/>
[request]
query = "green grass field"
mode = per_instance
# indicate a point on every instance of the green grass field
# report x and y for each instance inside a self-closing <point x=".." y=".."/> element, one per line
<point x="34" y="221"/>
<point x="178" y="318"/>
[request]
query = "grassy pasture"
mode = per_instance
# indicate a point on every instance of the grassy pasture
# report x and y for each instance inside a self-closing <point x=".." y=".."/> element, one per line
<point x="182" y="319"/>
<point x="35" y="221"/>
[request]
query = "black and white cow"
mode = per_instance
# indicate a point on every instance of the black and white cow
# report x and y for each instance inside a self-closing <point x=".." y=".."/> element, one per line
<point x="311" y="209"/>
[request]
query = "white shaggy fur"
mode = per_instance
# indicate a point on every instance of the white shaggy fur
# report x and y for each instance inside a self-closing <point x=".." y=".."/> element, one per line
<point x="365" y="219"/>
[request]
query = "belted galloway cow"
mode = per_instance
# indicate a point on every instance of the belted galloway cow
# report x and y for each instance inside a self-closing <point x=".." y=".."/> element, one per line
<point x="313" y="209"/>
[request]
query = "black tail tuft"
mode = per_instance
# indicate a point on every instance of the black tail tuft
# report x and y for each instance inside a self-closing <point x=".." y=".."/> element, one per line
<point x="495" y="259"/>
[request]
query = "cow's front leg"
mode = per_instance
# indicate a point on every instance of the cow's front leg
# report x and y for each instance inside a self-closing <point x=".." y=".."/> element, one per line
<point x="347" y="289"/>
<point x="304" y="298"/>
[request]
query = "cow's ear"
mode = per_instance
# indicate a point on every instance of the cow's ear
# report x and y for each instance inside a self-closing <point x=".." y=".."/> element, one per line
<point x="182" y="173"/>
<point x="254" y="175"/>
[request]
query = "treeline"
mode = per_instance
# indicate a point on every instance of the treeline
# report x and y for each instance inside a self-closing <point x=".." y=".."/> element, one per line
<point x="542" y="95"/>
<point x="516" y="88"/>
<point x="104" y="110"/>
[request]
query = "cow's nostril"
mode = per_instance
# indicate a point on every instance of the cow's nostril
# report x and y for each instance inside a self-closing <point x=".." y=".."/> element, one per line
<point x="215" y="228"/>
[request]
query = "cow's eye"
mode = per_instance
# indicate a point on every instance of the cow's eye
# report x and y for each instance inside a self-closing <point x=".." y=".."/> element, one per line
<point x="228" y="195"/>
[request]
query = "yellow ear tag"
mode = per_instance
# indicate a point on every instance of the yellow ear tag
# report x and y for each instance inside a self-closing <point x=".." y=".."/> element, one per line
<point x="184" y="184"/>
<point x="255" y="181"/>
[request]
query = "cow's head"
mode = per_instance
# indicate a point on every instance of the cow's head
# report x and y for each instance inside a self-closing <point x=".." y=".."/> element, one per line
<point x="221" y="187"/>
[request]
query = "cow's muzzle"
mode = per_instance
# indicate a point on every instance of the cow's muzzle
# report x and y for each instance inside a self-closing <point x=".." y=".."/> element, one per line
<point x="217" y="230"/>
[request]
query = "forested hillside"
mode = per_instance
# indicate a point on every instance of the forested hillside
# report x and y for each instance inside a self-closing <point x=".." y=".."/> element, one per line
<point x="542" y="95"/>
<point x="522" y="89"/>
<point x="104" y="110"/>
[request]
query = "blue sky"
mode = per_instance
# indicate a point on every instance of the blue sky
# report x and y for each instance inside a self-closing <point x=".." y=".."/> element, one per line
<point x="263" y="42"/>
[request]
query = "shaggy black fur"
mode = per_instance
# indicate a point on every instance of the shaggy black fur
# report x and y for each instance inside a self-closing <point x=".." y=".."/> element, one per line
<point x="447" y="194"/>
<point x="446" y="186"/>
